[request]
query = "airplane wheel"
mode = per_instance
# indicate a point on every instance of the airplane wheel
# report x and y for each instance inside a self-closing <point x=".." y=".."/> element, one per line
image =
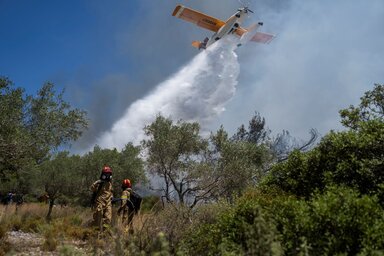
<point x="236" y="25"/>
<point x="217" y="38"/>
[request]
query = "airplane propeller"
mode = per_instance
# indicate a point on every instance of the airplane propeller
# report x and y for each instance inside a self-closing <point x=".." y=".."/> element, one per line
<point x="245" y="7"/>
<point x="247" y="10"/>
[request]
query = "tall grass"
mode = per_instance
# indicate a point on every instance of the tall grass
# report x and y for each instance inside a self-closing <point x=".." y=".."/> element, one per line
<point x="67" y="224"/>
<point x="150" y="231"/>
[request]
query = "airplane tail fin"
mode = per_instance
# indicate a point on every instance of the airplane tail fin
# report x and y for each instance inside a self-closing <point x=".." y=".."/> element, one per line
<point x="200" y="45"/>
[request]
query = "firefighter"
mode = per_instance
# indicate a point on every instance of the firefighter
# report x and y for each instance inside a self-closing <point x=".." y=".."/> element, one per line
<point x="101" y="199"/>
<point x="127" y="215"/>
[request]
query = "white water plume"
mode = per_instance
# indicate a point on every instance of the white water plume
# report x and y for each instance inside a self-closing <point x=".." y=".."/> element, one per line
<point x="198" y="92"/>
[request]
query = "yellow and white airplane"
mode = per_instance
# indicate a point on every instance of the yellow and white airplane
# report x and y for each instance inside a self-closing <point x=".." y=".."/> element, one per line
<point x="222" y="28"/>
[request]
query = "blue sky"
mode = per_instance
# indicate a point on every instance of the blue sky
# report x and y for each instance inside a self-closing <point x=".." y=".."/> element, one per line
<point x="109" y="54"/>
<point x="46" y="40"/>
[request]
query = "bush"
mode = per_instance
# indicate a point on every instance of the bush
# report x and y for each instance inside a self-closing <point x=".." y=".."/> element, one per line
<point x="150" y="203"/>
<point x="172" y="222"/>
<point x="4" y="245"/>
<point x="244" y="229"/>
<point x="69" y="250"/>
<point x="340" y="221"/>
<point x="50" y="243"/>
<point x="350" y="158"/>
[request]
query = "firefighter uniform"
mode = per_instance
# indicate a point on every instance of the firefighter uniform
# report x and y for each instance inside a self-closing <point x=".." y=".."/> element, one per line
<point x="102" y="190"/>
<point x="126" y="220"/>
<point x="127" y="215"/>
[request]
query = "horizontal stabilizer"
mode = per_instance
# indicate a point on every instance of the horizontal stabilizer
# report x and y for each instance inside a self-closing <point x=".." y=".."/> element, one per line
<point x="262" y="38"/>
<point x="196" y="44"/>
<point x="200" y="45"/>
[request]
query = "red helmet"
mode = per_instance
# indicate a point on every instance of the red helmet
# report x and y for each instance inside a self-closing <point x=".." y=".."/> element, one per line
<point x="126" y="183"/>
<point x="106" y="169"/>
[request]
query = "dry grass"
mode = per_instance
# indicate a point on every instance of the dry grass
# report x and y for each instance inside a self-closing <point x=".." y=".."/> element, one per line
<point x="72" y="224"/>
<point x="67" y="224"/>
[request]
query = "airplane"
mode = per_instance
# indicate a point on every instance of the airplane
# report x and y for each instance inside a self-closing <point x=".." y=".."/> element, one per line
<point x="222" y="28"/>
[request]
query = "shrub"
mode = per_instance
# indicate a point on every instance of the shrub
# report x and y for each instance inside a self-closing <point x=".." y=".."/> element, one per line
<point x="50" y="243"/>
<point x="31" y="224"/>
<point x="244" y="229"/>
<point x="69" y="250"/>
<point x="151" y="203"/>
<point x="351" y="158"/>
<point x="340" y="221"/>
<point x="172" y="221"/>
<point x="4" y="245"/>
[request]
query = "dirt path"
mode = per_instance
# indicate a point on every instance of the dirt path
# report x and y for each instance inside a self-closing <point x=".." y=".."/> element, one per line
<point x="31" y="244"/>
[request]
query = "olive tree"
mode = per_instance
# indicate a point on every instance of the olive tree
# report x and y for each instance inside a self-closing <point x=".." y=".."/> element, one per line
<point x="58" y="176"/>
<point x="31" y="128"/>
<point x="236" y="163"/>
<point x="14" y="140"/>
<point x="175" y="152"/>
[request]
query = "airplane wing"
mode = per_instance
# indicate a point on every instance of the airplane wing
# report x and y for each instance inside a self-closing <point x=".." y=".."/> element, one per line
<point x="198" y="18"/>
<point x="262" y="38"/>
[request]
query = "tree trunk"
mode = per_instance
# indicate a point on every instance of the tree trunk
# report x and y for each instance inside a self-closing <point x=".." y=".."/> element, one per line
<point x="51" y="203"/>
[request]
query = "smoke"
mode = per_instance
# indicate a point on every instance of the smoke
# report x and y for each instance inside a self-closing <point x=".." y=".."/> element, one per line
<point x="325" y="56"/>
<point x="198" y="92"/>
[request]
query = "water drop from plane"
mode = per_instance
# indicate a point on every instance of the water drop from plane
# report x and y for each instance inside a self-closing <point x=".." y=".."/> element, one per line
<point x="198" y="92"/>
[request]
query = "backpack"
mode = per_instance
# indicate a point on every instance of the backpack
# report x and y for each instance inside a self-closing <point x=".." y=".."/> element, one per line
<point x="134" y="202"/>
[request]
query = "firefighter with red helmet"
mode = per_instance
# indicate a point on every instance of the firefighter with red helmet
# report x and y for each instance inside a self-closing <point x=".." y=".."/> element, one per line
<point x="127" y="216"/>
<point x="101" y="199"/>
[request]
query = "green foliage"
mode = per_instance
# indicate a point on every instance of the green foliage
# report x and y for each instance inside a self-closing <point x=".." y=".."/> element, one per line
<point x="257" y="132"/>
<point x="50" y="242"/>
<point x="160" y="246"/>
<point x="31" y="223"/>
<point x="150" y="203"/>
<point x="236" y="164"/>
<point x="352" y="158"/>
<point x="336" y="222"/>
<point x="244" y="229"/>
<point x="301" y="174"/>
<point x="174" y="153"/>
<point x="14" y="140"/>
<point x="58" y="176"/>
<point x="51" y="122"/>
<point x="371" y="107"/>
<point x="4" y="244"/>
<point x="69" y="250"/>
<point x="30" y="128"/>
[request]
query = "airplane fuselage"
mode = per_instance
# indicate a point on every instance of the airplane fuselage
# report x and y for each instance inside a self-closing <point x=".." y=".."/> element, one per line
<point x="229" y="27"/>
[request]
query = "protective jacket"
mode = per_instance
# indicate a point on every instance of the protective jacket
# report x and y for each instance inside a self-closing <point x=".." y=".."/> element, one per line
<point x="103" y="202"/>
<point x="126" y="218"/>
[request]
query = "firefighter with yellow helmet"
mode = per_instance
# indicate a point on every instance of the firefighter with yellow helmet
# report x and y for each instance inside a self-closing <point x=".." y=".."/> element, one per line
<point x="123" y="210"/>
